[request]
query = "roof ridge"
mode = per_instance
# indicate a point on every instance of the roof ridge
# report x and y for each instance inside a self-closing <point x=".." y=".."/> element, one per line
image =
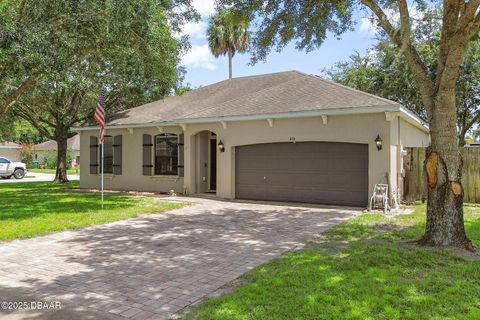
<point x="164" y="99"/>
<point x="235" y="78"/>
<point x="241" y="98"/>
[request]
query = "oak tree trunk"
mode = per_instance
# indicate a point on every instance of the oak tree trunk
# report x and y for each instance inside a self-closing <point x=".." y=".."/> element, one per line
<point x="61" y="173"/>
<point x="443" y="167"/>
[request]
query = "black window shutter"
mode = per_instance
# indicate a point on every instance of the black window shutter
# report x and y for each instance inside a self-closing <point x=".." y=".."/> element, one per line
<point x="93" y="155"/>
<point x="147" y="155"/>
<point x="181" y="155"/>
<point x="117" y="155"/>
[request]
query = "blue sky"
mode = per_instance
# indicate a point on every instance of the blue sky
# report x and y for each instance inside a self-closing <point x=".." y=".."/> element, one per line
<point x="203" y="69"/>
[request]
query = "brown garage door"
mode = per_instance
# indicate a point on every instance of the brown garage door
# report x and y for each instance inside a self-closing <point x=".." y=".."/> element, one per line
<point x="313" y="172"/>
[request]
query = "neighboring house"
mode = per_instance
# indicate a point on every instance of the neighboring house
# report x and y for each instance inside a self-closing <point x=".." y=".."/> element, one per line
<point x="42" y="149"/>
<point x="10" y="150"/>
<point x="473" y="144"/>
<point x="285" y="136"/>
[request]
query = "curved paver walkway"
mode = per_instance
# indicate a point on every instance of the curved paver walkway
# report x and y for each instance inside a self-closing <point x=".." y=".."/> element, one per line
<point x="153" y="266"/>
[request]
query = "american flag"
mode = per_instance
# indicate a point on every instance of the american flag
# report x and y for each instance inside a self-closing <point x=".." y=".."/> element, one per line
<point x="100" y="115"/>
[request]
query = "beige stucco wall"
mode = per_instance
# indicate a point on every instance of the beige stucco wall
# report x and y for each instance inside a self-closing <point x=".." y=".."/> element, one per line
<point x="131" y="177"/>
<point x="11" y="154"/>
<point x="362" y="128"/>
<point x="349" y="128"/>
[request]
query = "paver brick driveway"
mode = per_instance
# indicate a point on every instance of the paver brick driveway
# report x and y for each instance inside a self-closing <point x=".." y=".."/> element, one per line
<point x="152" y="266"/>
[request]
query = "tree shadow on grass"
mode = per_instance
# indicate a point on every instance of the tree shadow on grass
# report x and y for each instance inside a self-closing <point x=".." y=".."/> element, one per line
<point x="373" y="277"/>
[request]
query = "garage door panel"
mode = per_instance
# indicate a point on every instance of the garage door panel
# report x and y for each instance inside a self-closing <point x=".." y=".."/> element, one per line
<point x="336" y="197"/>
<point x="254" y="163"/>
<point x="323" y="162"/>
<point x="315" y="172"/>
<point x="252" y="191"/>
<point x="317" y="179"/>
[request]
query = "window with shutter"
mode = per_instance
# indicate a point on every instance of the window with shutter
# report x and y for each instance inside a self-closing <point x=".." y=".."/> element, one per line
<point x="147" y="155"/>
<point x="108" y="155"/>
<point x="117" y="155"/>
<point x="94" y="155"/>
<point x="166" y="154"/>
<point x="181" y="155"/>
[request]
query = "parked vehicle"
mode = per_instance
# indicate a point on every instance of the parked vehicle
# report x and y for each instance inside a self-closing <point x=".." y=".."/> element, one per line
<point x="10" y="168"/>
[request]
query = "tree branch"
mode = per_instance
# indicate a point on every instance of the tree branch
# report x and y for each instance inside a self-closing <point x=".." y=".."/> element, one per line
<point x="25" y="114"/>
<point x="458" y="27"/>
<point x="469" y="13"/>
<point x="13" y="98"/>
<point x="475" y="26"/>
<point x="38" y="117"/>
<point x="451" y="12"/>
<point x="402" y="39"/>
<point x="472" y="121"/>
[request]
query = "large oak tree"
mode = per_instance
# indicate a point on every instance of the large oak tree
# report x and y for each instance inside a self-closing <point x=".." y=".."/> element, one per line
<point x="54" y="63"/>
<point x="44" y="38"/>
<point x="309" y="21"/>
<point x="384" y="71"/>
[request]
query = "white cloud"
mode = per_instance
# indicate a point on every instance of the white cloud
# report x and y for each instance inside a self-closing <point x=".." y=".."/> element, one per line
<point x="368" y="27"/>
<point x="204" y="7"/>
<point x="199" y="57"/>
<point x="198" y="30"/>
<point x="195" y="30"/>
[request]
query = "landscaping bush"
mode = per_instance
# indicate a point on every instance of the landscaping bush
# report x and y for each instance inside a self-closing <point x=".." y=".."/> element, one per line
<point x="27" y="152"/>
<point x="50" y="160"/>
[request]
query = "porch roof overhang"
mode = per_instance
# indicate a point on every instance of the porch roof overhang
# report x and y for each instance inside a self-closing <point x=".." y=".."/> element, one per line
<point x="397" y="109"/>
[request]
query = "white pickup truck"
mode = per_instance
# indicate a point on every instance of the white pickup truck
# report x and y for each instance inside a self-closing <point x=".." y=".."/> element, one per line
<point x="9" y="168"/>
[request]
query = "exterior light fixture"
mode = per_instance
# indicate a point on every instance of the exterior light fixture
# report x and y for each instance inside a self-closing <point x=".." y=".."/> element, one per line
<point x="378" y="142"/>
<point x="221" y="146"/>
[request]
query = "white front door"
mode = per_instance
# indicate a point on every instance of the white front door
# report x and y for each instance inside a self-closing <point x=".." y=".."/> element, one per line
<point x="4" y="165"/>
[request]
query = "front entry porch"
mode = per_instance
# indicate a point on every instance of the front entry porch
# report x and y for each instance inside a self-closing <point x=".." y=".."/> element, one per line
<point x="204" y="149"/>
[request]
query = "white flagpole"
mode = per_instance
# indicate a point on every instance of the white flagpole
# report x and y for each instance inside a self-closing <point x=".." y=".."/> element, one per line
<point x="102" y="168"/>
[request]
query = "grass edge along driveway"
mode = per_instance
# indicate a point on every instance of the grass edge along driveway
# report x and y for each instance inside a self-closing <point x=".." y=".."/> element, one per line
<point x="366" y="268"/>
<point x="39" y="208"/>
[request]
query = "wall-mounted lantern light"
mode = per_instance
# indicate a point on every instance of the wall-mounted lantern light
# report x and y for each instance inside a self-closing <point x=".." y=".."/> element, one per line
<point x="378" y="142"/>
<point x="221" y="146"/>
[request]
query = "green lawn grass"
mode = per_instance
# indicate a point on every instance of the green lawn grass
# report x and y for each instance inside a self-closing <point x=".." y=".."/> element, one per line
<point x="52" y="171"/>
<point x="30" y="209"/>
<point x="367" y="268"/>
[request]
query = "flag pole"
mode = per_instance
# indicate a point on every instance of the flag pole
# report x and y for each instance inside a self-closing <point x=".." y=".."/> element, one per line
<point x="99" y="117"/>
<point x="102" y="144"/>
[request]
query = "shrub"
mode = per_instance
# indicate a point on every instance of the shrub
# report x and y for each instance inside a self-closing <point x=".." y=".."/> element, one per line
<point x="27" y="151"/>
<point x="50" y="160"/>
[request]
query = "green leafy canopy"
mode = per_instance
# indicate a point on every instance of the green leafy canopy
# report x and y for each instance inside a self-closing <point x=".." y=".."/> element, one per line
<point x="47" y="38"/>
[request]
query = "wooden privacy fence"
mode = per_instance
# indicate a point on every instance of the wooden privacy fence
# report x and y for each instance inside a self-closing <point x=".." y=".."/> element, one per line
<point x="415" y="184"/>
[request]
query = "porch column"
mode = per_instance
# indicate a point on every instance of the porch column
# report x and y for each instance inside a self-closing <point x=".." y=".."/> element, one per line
<point x="189" y="163"/>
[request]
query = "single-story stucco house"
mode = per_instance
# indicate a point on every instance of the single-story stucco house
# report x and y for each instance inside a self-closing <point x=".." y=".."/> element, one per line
<point x="10" y="150"/>
<point x="43" y="148"/>
<point x="285" y="136"/>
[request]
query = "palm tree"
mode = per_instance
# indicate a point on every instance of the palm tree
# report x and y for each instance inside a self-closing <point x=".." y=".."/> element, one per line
<point x="227" y="34"/>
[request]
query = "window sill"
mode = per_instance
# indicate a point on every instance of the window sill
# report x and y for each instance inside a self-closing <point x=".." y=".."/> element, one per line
<point x="165" y="178"/>
<point x="108" y="176"/>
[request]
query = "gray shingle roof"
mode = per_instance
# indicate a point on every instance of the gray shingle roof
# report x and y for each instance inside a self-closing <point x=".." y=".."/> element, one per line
<point x="9" y="145"/>
<point x="72" y="143"/>
<point x="283" y="92"/>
